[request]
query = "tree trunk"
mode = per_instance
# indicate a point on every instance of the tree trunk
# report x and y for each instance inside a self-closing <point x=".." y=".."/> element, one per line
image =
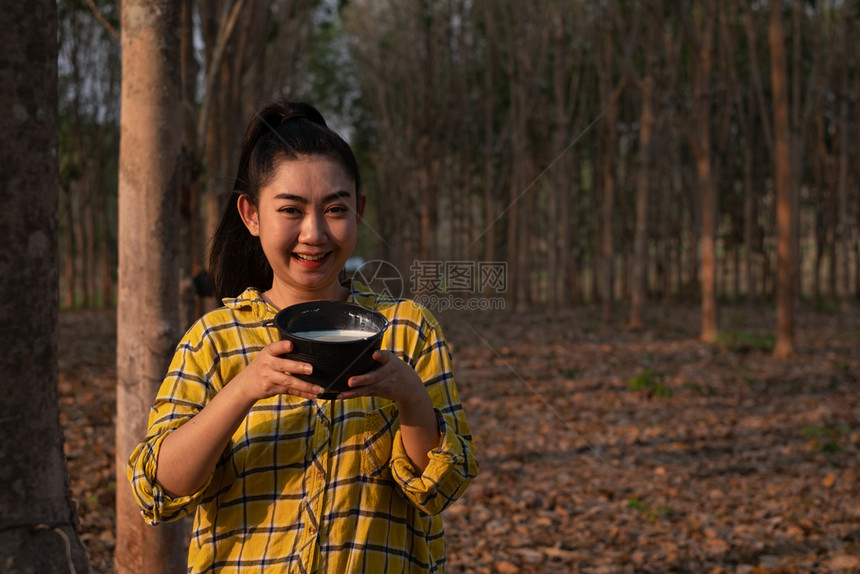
<point x="796" y="147"/>
<point x="565" y="84"/>
<point x="191" y="254"/>
<point x="69" y="245"/>
<point x="489" y="235"/>
<point x="704" y="171"/>
<point x="106" y="267"/>
<point x="38" y="522"/>
<point x="785" y="282"/>
<point x="607" y="254"/>
<point x="148" y="310"/>
<point x="748" y="222"/>
<point x="427" y="183"/>
<point x="640" y="242"/>
<point x="842" y="224"/>
<point x="609" y="97"/>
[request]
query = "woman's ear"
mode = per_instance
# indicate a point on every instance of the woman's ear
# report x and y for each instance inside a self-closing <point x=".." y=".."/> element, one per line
<point x="249" y="215"/>
<point x="360" y="203"/>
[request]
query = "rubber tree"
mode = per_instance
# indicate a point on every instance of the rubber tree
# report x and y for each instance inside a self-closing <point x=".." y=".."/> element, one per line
<point x="38" y="521"/>
<point x="148" y="324"/>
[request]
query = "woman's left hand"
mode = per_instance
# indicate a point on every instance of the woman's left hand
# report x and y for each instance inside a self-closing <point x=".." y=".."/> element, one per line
<point x="393" y="379"/>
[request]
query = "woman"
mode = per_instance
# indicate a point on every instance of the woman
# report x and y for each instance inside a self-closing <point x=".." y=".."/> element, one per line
<point x="278" y="480"/>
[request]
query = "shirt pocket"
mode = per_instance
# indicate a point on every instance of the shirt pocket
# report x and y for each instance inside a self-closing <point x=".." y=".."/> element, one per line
<point x="379" y="428"/>
<point x="272" y="436"/>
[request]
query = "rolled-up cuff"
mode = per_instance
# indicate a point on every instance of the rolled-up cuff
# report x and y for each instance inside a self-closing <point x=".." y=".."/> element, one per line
<point x="156" y="506"/>
<point x="424" y="488"/>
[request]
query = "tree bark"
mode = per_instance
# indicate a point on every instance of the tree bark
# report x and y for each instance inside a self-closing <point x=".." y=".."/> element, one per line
<point x="427" y="183"/>
<point x="842" y="225"/>
<point x="785" y="282"/>
<point x="69" y="245"/>
<point x="191" y="252"/>
<point x="489" y="235"/>
<point x="566" y="81"/>
<point x="609" y="97"/>
<point x="38" y="522"/>
<point x="148" y="310"/>
<point x="704" y="170"/>
<point x="640" y="242"/>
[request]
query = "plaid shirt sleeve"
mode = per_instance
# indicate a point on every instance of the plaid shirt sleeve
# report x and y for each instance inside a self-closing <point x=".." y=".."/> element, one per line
<point x="190" y="383"/>
<point x="452" y="464"/>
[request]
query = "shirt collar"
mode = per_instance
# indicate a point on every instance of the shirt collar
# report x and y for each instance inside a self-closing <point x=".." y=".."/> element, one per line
<point x="250" y="300"/>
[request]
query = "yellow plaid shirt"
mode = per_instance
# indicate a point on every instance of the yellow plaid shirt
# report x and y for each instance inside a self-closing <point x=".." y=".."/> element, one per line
<point x="310" y="485"/>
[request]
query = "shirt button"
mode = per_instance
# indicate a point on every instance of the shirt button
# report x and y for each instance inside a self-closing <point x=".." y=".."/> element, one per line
<point x="321" y="475"/>
<point x="324" y="422"/>
<point x="312" y="529"/>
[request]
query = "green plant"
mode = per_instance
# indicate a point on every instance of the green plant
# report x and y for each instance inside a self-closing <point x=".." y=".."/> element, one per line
<point x="699" y="389"/>
<point x="645" y="509"/>
<point x="744" y="342"/>
<point x="840" y="365"/>
<point x="826" y="439"/>
<point x="650" y="382"/>
<point x="737" y="319"/>
<point x="571" y="373"/>
<point x="829" y="306"/>
<point x="681" y="331"/>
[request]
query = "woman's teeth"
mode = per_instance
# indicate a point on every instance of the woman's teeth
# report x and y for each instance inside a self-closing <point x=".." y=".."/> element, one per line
<point x="309" y="257"/>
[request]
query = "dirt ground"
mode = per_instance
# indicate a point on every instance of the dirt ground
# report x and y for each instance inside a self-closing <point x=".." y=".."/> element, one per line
<point x="601" y="450"/>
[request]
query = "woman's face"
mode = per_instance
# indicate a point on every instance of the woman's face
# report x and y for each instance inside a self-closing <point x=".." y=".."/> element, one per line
<point x="307" y="221"/>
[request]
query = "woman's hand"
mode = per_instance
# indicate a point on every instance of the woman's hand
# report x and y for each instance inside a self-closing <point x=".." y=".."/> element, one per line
<point x="189" y="454"/>
<point x="395" y="380"/>
<point x="269" y="375"/>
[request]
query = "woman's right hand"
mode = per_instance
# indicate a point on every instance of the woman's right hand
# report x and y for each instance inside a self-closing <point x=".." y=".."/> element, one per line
<point x="189" y="454"/>
<point x="269" y="375"/>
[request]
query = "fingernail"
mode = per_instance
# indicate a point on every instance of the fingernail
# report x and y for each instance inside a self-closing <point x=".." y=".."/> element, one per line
<point x="318" y="390"/>
<point x="307" y="369"/>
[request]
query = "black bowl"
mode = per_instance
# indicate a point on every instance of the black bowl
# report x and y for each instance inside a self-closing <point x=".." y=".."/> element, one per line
<point x="334" y="361"/>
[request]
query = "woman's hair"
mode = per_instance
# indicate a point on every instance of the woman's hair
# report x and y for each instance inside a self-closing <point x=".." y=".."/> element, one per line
<point x="279" y="131"/>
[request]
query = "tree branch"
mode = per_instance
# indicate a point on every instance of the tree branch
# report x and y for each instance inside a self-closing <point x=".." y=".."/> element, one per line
<point x="212" y="68"/>
<point x="103" y="20"/>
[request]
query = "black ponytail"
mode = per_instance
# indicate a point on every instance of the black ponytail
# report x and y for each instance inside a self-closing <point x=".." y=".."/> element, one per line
<point x="279" y="131"/>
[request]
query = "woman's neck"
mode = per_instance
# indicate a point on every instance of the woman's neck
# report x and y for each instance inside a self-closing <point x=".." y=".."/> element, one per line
<point x="282" y="297"/>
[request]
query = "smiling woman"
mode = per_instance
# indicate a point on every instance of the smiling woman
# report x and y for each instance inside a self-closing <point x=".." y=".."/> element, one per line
<point x="307" y="220"/>
<point x="281" y="140"/>
<point x="279" y="478"/>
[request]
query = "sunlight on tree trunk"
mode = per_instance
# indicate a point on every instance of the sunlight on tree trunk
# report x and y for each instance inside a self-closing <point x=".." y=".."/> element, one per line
<point x="707" y="186"/>
<point x="148" y="309"/>
<point x="785" y="282"/>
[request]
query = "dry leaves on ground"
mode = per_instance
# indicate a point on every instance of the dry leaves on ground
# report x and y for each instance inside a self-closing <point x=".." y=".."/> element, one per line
<point x="601" y="450"/>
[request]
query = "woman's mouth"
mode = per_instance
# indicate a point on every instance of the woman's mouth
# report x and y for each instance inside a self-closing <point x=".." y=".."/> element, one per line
<point x="311" y="261"/>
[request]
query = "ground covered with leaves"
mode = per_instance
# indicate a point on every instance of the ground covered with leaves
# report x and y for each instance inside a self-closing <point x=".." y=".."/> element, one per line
<point x="601" y="449"/>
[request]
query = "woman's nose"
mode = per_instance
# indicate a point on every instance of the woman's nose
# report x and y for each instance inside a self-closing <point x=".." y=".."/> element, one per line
<point x="313" y="229"/>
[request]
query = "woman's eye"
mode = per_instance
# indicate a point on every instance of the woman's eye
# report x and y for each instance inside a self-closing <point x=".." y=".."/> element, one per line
<point x="289" y="210"/>
<point x="338" y="210"/>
